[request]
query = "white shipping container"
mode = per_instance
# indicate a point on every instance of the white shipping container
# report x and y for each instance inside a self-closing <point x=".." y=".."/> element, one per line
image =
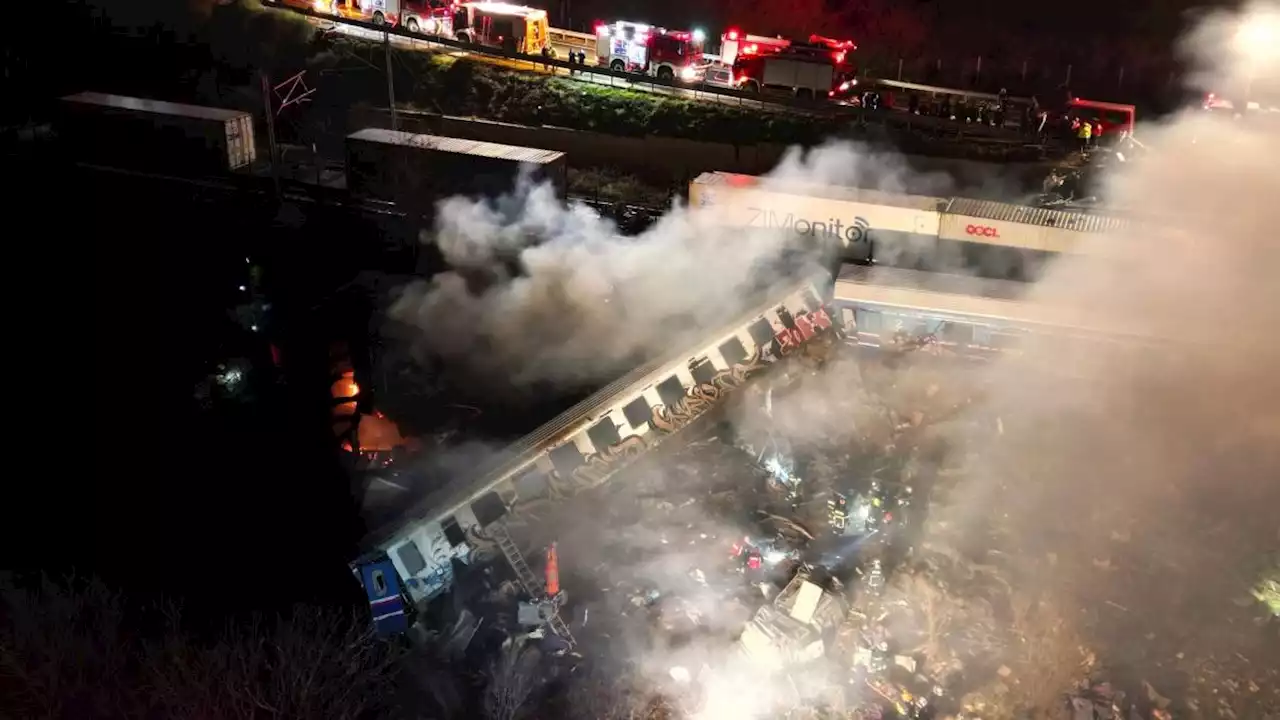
<point x="850" y="215"/>
<point x="1016" y="226"/>
<point x="132" y="131"/>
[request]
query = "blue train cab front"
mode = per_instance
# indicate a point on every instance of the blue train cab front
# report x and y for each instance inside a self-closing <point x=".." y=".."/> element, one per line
<point x="388" y="605"/>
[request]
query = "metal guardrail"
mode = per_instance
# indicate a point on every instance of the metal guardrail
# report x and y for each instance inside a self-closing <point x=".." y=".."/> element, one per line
<point x="598" y="75"/>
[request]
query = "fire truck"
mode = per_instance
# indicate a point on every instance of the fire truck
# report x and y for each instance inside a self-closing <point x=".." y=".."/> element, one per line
<point x="812" y="70"/>
<point x="735" y="43"/>
<point x="513" y="28"/>
<point x="665" y="54"/>
<point x="378" y="12"/>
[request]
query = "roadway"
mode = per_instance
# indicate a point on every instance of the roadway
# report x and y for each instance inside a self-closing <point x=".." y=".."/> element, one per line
<point x="564" y="41"/>
<point x="567" y="42"/>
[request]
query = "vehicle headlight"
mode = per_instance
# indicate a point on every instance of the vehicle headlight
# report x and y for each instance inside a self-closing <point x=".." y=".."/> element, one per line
<point x="688" y="74"/>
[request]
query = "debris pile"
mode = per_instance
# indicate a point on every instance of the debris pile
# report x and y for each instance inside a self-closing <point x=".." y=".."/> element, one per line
<point x="850" y="559"/>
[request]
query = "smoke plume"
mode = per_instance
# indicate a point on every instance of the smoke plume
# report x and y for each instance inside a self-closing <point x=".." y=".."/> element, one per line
<point x="1136" y="484"/>
<point x="543" y="293"/>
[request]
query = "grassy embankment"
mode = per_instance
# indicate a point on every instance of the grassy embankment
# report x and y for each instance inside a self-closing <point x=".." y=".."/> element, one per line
<point x="349" y="72"/>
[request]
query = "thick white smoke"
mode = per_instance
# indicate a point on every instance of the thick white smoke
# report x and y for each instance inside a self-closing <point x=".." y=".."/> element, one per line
<point x="541" y="292"/>
<point x="1163" y="465"/>
<point x="1138" y="488"/>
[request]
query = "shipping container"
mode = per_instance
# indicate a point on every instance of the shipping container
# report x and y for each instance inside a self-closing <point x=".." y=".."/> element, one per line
<point x="416" y="170"/>
<point x="849" y="218"/>
<point x="136" y="133"/>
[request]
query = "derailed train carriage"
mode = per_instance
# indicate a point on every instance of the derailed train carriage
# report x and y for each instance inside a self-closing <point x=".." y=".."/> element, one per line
<point x="991" y="239"/>
<point x="412" y="562"/>
<point x="977" y="318"/>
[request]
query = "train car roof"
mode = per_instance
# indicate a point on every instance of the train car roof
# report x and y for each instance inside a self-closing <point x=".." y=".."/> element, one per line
<point x="1026" y="215"/>
<point x="440" y="504"/>
<point x="830" y="192"/>
<point x="459" y="146"/>
<point x="153" y="107"/>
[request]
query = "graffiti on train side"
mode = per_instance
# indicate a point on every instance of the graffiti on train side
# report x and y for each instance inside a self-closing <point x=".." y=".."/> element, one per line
<point x="439" y="554"/>
<point x="600" y="465"/>
<point x="807" y="324"/>
<point x="702" y="396"/>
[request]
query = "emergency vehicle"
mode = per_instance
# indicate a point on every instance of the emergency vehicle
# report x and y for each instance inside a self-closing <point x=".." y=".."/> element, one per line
<point x="513" y="28"/>
<point x="806" y="71"/>
<point x="638" y="48"/>
<point x="378" y="12"/>
<point x="735" y="43"/>
<point x="1114" y="118"/>
<point x="428" y="17"/>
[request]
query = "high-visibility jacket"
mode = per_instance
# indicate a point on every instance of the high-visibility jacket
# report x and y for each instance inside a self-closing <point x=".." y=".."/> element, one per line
<point x="1086" y="131"/>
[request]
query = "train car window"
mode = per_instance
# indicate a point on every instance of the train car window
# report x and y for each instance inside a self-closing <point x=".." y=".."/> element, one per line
<point x="1003" y="341"/>
<point x="566" y="458"/>
<point x="869" y="321"/>
<point x="670" y="391"/>
<point x="955" y="332"/>
<point x="453" y="532"/>
<point x="785" y="317"/>
<point x="761" y="332"/>
<point x="379" y="583"/>
<point x="637" y="412"/>
<point x="604" y="434"/>
<point x="703" y="372"/>
<point x="411" y="558"/>
<point x="531" y="484"/>
<point x="488" y="509"/>
<point x="733" y="351"/>
<point x="847" y="319"/>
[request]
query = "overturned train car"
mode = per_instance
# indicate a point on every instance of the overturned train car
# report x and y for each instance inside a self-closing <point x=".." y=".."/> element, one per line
<point x="412" y="562"/>
<point x="976" y="318"/>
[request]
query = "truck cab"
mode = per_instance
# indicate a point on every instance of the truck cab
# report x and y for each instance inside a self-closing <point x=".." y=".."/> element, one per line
<point x="809" y="71"/>
<point x="668" y="55"/>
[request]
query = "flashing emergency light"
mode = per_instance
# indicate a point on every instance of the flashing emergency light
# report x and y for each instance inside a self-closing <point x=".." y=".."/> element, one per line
<point x="839" y="57"/>
<point x="732" y="35"/>
<point x="602" y="30"/>
<point x="699" y="35"/>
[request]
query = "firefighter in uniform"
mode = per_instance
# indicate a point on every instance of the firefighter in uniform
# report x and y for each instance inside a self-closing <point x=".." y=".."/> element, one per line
<point x="1085" y="133"/>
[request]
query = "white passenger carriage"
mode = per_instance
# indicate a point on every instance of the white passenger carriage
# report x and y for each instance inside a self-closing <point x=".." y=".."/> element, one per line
<point x="974" y="317"/>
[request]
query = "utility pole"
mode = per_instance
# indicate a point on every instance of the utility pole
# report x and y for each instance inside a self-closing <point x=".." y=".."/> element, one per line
<point x="269" y="107"/>
<point x="391" y="79"/>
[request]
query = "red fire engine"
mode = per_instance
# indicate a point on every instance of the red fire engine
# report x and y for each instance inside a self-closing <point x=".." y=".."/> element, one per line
<point x="736" y="43"/>
<point x="817" y="69"/>
<point x="665" y="54"/>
